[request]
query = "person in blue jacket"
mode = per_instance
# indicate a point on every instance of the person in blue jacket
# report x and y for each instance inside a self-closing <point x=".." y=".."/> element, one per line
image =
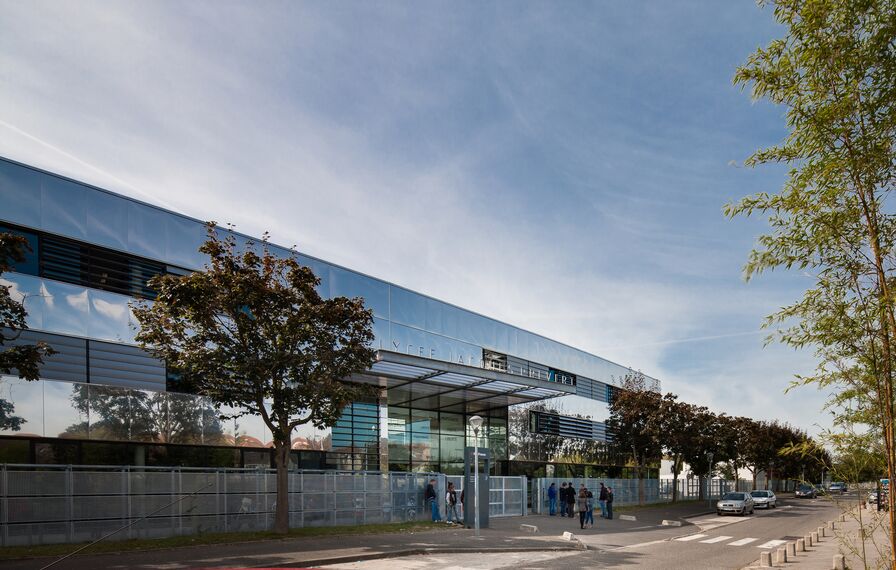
<point x="552" y="499"/>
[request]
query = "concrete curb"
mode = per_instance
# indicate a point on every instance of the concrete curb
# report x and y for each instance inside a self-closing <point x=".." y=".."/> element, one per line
<point x="422" y="551"/>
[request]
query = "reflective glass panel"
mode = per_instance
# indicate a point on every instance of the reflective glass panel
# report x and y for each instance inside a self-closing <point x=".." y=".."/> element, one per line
<point x="407" y="308"/>
<point x="20" y="194"/>
<point x="184" y="236"/>
<point x="350" y="284"/>
<point x="107" y="220"/>
<point x="66" y="409"/>
<point x="66" y="308"/>
<point x="64" y="207"/>
<point x="109" y="316"/>
<point x="147" y="231"/>
<point x="28" y="290"/>
<point x="26" y="416"/>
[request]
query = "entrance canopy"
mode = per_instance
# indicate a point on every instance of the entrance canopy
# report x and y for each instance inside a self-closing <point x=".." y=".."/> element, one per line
<point x="425" y="383"/>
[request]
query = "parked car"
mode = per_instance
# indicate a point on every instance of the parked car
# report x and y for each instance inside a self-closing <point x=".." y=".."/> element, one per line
<point x="764" y="499"/>
<point x="837" y="487"/>
<point x="738" y="503"/>
<point x="805" y="492"/>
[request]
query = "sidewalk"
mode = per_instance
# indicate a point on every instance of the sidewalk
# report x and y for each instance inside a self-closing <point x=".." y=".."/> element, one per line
<point x="316" y="551"/>
<point x="844" y="539"/>
<point x="504" y="535"/>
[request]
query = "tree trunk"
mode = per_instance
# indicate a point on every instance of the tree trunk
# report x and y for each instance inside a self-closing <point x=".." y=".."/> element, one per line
<point x="754" y="473"/>
<point x="281" y="515"/>
<point x="676" y="467"/>
<point x="701" y="494"/>
<point x="642" y="488"/>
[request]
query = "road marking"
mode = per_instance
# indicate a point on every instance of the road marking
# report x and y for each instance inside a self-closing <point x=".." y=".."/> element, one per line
<point x="715" y="539"/>
<point x="742" y="542"/>
<point x="772" y="544"/>
<point x="691" y="537"/>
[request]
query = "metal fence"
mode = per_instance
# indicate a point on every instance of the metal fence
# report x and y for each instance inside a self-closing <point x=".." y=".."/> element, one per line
<point x="689" y="488"/>
<point x="44" y="504"/>
<point x="41" y="504"/>
<point x="625" y="491"/>
<point x="507" y="496"/>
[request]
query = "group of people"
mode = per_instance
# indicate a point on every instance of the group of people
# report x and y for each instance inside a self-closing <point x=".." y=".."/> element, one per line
<point x="567" y="500"/>
<point x="452" y="501"/>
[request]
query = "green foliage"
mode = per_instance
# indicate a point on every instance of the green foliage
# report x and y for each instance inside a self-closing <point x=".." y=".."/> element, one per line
<point x="834" y="72"/>
<point x="251" y="332"/>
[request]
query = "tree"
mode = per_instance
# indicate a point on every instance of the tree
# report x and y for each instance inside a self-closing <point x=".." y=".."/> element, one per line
<point x="835" y="74"/>
<point x="676" y="426"/>
<point x="633" y="423"/>
<point x="24" y="359"/>
<point x="251" y="332"/>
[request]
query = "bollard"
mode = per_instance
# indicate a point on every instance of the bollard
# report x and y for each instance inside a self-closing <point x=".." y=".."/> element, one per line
<point x="801" y="545"/>
<point x="766" y="560"/>
<point x="821" y="532"/>
<point x="782" y="556"/>
<point x="842" y="518"/>
<point x="839" y="562"/>
<point x="831" y="524"/>
<point x="808" y="540"/>
<point x="791" y="549"/>
<point x="815" y="538"/>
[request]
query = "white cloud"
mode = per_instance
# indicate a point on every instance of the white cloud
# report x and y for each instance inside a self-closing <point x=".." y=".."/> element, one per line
<point x="394" y="144"/>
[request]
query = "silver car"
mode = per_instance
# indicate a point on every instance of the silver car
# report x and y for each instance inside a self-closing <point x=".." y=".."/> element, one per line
<point x="764" y="499"/>
<point x="737" y="503"/>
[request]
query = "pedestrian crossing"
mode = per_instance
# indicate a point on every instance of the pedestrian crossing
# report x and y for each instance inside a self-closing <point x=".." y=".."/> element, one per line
<point x="706" y="539"/>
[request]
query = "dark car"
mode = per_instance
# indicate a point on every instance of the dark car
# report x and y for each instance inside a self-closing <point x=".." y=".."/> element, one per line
<point x="806" y="492"/>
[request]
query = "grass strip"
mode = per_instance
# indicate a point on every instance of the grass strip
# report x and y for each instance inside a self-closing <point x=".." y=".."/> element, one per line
<point x="113" y="546"/>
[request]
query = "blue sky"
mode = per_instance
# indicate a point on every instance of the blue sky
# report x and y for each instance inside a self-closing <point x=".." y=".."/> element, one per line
<point x="560" y="166"/>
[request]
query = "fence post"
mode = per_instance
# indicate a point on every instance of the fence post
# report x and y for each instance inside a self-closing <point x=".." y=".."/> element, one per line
<point x="525" y="502"/>
<point x="224" y="503"/>
<point x="70" y="502"/>
<point x="4" y="488"/>
<point x="126" y="473"/>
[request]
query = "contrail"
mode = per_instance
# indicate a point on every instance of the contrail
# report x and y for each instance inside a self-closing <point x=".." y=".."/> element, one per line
<point x="683" y="340"/>
<point x="149" y="197"/>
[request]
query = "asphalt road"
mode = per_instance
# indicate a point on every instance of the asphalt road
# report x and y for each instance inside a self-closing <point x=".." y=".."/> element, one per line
<point x="710" y="542"/>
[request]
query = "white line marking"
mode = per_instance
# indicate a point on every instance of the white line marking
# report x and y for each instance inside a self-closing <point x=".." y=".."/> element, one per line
<point x="691" y="537"/>
<point x="742" y="542"/>
<point x="772" y="544"/>
<point x="715" y="539"/>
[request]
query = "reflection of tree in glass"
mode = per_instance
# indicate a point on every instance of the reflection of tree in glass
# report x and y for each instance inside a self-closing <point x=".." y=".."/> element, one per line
<point x="115" y="413"/>
<point x="8" y="421"/>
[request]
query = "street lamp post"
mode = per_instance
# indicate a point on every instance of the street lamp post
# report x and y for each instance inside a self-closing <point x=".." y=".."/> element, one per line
<point x="709" y="477"/>
<point x="476" y="423"/>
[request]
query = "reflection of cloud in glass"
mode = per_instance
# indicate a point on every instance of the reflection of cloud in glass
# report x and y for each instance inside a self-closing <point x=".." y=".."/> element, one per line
<point x="78" y="300"/>
<point x="48" y="297"/>
<point x="110" y="310"/>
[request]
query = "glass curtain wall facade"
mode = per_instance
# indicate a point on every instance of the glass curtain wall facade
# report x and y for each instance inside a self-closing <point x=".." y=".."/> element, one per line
<point x="92" y="252"/>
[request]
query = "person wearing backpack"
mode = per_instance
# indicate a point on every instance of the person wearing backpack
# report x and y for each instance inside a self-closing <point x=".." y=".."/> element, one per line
<point x="451" y="505"/>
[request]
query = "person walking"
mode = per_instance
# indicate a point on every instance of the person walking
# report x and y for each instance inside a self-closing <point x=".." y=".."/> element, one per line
<point x="562" y="498"/>
<point x="602" y="500"/>
<point x="552" y="499"/>
<point x="433" y="499"/>
<point x="582" y="506"/>
<point x="570" y="499"/>
<point x="609" y="502"/>
<point x="451" y="505"/>
<point x="589" y="518"/>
